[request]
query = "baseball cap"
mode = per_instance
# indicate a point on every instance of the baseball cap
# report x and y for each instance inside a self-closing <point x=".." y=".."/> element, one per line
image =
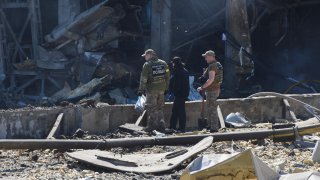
<point x="149" y="51"/>
<point x="209" y="53"/>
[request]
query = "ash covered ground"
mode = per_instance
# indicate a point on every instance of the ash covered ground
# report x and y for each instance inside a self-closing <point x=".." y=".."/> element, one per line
<point x="283" y="157"/>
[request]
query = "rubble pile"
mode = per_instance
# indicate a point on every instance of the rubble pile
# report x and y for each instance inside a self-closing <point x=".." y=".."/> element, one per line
<point x="283" y="157"/>
<point x="74" y="56"/>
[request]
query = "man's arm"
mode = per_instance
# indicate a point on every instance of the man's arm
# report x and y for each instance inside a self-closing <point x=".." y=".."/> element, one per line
<point x="143" y="79"/>
<point x="167" y="76"/>
<point x="208" y="82"/>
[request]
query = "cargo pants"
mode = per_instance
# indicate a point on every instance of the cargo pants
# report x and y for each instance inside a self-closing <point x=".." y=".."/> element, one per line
<point x="155" y="108"/>
<point x="212" y="115"/>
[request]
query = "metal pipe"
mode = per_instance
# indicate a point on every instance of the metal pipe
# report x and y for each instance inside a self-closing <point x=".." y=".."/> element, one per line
<point x="173" y="140"/>
<point x="282" y="96"/>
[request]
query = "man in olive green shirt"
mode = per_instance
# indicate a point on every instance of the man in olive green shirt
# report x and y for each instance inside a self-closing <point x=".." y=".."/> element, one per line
<point x="154" y="81"/>
<point x="214" y="76"/>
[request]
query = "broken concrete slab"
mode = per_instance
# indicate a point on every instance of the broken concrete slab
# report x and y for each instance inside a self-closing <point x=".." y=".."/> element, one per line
<point x="243" y="165"/>
<point x="132" y="128"/>
<point x="316" y="153"/>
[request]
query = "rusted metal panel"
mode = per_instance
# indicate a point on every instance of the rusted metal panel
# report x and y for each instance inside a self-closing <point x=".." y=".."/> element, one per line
<point x="141" y="163"/>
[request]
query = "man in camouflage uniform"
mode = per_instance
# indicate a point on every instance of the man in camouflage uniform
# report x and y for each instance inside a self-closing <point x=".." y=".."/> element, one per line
<point x="214" y="76"/>
<point x="154" y="81"/>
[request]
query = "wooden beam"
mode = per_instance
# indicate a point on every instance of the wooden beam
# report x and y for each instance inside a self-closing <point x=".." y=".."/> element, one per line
<point x="140" y="118"/>
<point x="55" y="126"/>
<point x="222" y="124"/>
<point x="289" y="109"/>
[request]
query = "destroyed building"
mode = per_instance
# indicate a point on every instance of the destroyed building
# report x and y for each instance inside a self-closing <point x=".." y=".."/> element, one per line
<point x="70" y="69"/>
<point x="52" y="45"/>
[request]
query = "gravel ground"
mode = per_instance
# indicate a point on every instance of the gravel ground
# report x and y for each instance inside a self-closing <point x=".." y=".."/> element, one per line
<point x="54" y="164"/>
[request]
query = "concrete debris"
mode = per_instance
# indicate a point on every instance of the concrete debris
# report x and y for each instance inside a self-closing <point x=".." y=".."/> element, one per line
<point x="51" y="59"/>
<point x="236" y="166"/>
<point x="316" y="153"/>
<point x="81" y="91"/>
<point x="132" y="128"/>
<point x="311" y="138"/>
<point x="214" y="165"/>
<point x="279" y="165"/>
<point x="35" y="157"/>
<point x="79" y="133"/>
<point x="88" y="103"/>
<point x="264" y="125"/>
<point x="101" y="104"/>
<point x="55" y="165"/>
<point x="158" y="134"/>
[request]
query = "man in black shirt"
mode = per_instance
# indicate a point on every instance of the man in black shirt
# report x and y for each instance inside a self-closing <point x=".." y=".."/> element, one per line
<point x="179" y="86"/>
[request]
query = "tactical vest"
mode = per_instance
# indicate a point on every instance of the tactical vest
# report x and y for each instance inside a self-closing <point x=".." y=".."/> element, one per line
<point x="218" y="78"/>
<point x="157" y="79"/>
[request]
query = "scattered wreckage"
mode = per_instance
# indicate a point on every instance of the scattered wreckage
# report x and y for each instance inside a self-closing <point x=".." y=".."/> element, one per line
<point x="242" y="164"/>
<point x="74" y="53"/>
<point x="141" y="163"/>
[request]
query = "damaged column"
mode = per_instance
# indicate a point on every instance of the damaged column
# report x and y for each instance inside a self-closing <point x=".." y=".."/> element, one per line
<point x="238" y="43"/>
<point x="36" y="29"/>
<point x="2" y="53"/>
<point x="161" y="28"/>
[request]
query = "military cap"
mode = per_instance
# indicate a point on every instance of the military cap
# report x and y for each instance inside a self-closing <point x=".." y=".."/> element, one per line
<point x="209" y="53"/>
<point x="149" y="51"/>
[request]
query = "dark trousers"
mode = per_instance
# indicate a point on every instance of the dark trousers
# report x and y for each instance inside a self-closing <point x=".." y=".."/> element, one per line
<point x="178" y="112"/>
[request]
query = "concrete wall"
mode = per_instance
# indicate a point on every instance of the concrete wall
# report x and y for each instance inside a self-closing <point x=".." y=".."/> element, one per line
<point x="37" y="122"/>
